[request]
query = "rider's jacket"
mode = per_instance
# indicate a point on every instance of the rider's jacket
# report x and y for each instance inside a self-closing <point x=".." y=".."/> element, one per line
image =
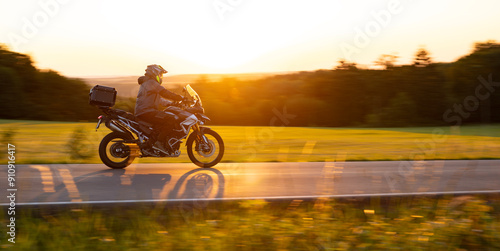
<point x="150" y="96"/>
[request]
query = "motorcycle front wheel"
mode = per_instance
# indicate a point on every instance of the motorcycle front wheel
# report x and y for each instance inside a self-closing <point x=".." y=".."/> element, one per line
<point x="113" y="152"/>
<point x="205" y="150"/>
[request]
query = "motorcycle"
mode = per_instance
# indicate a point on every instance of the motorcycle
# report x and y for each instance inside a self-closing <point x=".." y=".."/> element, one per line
<point x="133" y="138"/>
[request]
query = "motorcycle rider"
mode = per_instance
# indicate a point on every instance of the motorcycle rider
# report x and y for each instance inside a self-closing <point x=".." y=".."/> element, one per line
<point x="150" y="98"/>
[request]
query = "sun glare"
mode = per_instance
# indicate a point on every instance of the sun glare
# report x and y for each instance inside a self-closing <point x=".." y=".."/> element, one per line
<point x="201" y="37"/>
<point x="258" y="35"/>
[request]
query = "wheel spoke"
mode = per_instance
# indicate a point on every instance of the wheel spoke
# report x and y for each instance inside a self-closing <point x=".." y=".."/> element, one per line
<point x="205" y="151"/>
<point x="113" y="152"/>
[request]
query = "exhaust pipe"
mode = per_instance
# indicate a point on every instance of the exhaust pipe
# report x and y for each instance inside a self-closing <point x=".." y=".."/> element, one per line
<point x="115" y="127"/>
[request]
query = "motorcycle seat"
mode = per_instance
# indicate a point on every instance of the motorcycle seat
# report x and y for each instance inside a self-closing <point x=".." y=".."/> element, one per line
<point x="144" y="123"/>
<point x="126" y="114"/>
<point x="131" y="116"/>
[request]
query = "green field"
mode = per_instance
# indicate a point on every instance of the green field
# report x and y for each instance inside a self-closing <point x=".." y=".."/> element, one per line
<point x="47" y="142"/>
<point x="451" y="223"/>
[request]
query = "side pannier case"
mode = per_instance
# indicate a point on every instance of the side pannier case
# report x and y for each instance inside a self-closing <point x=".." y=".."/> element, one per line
<point x="102" y="96"/>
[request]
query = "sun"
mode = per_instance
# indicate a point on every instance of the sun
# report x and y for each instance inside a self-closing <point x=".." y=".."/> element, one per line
<point x="218" y="55"/>
<point x="197" y="35"/>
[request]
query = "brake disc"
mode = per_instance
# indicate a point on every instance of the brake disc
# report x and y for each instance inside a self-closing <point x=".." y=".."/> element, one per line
<point x="206" y="152"/>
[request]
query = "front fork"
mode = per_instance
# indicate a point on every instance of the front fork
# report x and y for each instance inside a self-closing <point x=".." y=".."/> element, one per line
<point x="200" y="137"/>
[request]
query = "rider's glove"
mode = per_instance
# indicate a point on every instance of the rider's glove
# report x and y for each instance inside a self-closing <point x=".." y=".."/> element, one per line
<point x="179" y="98"/>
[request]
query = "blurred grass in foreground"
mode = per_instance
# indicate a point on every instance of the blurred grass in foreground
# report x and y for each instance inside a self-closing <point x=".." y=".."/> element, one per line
<point x="402" y="223"/>
<point x="47" y="142"/>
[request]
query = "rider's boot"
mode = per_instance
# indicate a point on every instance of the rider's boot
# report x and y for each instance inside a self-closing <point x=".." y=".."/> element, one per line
<point x="147" y="148"/>
<point x="163" y="137"/>
<point x="158" y="144"/>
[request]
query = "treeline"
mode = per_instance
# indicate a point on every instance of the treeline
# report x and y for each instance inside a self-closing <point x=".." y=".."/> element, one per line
<point x="424" y="93"/>
<point x="29" y="93"/>
<point x="421" y="94"/>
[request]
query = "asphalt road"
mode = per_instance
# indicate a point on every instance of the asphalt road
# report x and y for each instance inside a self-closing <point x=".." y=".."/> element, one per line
<point x="95" y="183"/>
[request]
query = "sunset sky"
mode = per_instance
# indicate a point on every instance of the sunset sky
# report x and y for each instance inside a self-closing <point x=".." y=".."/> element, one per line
<point x="110" y="38"/>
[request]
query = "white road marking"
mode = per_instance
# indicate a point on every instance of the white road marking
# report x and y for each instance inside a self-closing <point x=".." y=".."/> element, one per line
<point x="257" y="198"/>
<point x="71" y="187"/>
<point x="47" y="178"/>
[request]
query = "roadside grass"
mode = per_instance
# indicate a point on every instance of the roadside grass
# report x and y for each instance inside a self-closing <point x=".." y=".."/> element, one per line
<point x="47" y="142"/>
<point x="400" y="223"/>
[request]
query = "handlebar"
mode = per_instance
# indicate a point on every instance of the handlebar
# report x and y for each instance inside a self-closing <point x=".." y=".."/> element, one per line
<point x="185" y="101"/>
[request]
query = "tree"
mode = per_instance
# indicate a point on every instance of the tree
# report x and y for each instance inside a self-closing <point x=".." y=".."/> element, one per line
<point x="345" y="65"/>
<point x="12" y="98"/>
<point x="477" y="76"/>
<point x="485" y="45"/>
<point x="28" y="93"/>
<point x="387" y="61"/>
<point x="401" y="111"/>
<point x="422" y="58"/>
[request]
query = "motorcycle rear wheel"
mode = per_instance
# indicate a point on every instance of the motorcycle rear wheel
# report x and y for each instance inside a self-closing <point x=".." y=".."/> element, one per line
<point x="113" y="152"/>
<point x="202" y="154"/>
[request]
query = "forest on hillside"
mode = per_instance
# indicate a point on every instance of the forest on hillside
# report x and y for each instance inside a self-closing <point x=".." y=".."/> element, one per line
<point x="424" y="93"/>
<point x="29" y="93"/>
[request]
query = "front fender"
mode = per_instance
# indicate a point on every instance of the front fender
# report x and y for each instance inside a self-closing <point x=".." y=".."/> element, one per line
<point x="203" y="129"/>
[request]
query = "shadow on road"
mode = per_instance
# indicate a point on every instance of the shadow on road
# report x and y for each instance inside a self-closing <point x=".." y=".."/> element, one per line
<point x="199" y="185"/>
<point x="118" y="185"/>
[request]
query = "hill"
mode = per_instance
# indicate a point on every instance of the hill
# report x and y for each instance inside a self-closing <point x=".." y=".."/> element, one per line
<point x="425" y="93"/>
<point x="31" y="93"/>
<point x="127" y="85"/>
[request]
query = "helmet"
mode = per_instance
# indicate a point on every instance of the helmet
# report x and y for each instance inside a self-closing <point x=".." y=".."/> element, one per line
<point x="156" y="72"/>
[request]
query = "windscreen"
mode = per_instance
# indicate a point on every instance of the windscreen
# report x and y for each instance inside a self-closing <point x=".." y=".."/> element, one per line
<point x="193" y="93"/>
